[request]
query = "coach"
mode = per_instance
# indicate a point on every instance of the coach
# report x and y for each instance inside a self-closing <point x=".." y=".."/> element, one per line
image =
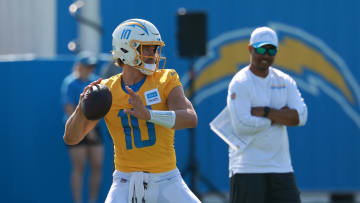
<point x="262" y="101"/>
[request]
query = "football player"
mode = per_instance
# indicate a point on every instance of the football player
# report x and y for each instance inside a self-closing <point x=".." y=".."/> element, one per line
<point x="148" y="105"/>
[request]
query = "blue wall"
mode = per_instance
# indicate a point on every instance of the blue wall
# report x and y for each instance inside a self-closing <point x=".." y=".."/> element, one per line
<point x="318" y="42"/>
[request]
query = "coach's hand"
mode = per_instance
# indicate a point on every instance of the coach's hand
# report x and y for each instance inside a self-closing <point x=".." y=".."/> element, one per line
<point x="257" y="111"/>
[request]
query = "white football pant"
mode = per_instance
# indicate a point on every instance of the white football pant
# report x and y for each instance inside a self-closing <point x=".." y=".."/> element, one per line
<point x="168" y="187"/>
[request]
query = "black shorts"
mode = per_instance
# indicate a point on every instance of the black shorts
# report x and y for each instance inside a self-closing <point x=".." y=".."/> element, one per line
<point x="264" y="188"/>
<point x="90" y="142"/>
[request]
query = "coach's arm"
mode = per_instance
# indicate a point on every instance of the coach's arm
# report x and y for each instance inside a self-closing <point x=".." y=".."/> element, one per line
<point x="239" y="104"/>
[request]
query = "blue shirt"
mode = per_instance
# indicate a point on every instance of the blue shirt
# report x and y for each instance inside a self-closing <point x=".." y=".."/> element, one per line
<point x="71" y="89"/>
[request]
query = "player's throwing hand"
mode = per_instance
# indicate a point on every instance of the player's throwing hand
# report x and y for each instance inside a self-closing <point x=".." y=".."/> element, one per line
<point x="88" y="87"/>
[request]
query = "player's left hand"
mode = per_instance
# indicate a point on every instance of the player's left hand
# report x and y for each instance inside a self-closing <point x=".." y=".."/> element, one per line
<point x="139" y="111"/>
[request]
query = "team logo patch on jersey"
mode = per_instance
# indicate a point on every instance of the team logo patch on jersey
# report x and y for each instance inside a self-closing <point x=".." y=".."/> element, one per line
<point x="152" y="97"/>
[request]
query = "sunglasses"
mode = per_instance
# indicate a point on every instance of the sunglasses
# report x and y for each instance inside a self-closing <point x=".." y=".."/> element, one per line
<point x="263" y="50"/>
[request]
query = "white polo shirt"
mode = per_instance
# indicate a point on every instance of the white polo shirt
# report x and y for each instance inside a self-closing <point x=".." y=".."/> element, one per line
<point x="268" y="152"/>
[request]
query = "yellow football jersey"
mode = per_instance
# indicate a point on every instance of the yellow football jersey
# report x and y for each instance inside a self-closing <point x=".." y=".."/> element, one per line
<point x="141" y="145"/>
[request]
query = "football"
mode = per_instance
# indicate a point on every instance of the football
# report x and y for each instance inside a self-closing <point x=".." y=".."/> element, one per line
<point x="96" y="102"/>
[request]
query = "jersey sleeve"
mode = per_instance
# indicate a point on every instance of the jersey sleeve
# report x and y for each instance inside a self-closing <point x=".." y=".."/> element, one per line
<point x="172" y="81"/>
<point x="109" y="82"/>
<point x="106" y="82"/>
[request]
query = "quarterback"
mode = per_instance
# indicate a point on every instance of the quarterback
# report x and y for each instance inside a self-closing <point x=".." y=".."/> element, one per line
<point x="148" y="105"/>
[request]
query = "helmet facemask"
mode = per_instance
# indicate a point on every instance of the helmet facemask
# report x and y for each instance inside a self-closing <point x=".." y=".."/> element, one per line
<point x="141" y="59"/>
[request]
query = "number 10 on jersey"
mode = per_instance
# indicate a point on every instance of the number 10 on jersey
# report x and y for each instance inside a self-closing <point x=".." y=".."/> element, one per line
<point x="135" y="130"/>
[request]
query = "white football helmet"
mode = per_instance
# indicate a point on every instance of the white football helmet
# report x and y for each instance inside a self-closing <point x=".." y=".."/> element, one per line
<point x="128" y="39"/>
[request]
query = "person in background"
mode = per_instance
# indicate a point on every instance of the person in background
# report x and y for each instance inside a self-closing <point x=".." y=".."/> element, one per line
<point x="262" y="102"/>
<point x="90" y="149"/>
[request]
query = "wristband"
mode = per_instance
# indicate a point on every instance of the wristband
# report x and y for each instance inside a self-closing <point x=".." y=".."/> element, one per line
<point x="163" y="118"/>
<point x="266" y="111"/>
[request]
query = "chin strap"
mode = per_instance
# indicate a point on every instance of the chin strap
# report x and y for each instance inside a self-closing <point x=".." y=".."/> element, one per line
<point x="147" y="69"/>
